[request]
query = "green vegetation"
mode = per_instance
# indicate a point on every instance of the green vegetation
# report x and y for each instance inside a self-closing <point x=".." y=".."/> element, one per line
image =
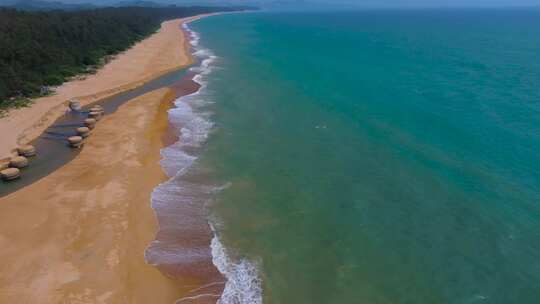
<point x="45" y="48"/>
<point x="14" y="103"/>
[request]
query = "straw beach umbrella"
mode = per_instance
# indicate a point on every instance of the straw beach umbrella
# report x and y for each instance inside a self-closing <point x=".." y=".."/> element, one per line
<point x="90" y="123"/>
<point x="18" y="162"/>
<point x="75" y="105"/>
<point x="97" y="109"/>
<point x="75" y="141"/>
<point x="10" y="174"/>
<point x="83" y="132"/>
<point x="95" y="115"/>
<point x="27" y="151"/>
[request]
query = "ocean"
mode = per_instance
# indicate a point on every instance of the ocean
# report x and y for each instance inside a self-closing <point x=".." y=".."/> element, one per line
<point x="376" y="156"/>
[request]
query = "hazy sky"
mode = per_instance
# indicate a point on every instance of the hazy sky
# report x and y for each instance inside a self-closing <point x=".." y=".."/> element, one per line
<point x="371" y="3"/>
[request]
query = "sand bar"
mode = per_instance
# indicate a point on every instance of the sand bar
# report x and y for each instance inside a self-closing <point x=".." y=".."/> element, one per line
<point x="156" y="55"/>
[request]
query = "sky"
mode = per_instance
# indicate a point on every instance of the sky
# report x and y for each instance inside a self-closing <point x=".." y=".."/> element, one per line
<point x="365" y="3"/>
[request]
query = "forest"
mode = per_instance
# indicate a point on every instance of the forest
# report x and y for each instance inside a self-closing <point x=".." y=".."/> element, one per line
<point x="42" y="49"/>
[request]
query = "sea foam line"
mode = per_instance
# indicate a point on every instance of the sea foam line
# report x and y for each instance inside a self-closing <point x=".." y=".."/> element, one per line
<point x="243" y="284"/>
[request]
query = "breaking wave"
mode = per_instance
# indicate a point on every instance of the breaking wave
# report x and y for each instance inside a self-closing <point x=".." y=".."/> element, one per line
<point x="179" y="202"/>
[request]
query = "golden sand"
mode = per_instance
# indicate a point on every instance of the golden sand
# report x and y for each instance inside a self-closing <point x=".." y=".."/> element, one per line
<point x="79" y="235"/>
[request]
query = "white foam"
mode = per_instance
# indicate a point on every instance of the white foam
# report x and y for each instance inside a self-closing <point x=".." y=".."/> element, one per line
<point x="194" y="37"/>
<point x="243" y="285"/>
<point x="194" y="128"/>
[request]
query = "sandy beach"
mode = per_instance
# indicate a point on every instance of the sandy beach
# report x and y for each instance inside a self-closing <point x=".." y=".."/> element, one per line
<point x="154" y="56"/>
<point x="79" y="235"/>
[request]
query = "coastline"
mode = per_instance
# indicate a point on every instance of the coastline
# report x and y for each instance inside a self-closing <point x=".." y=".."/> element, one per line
<point x="87" y="225"/>
<point x="182" y="247"/>
<point x="165" y="51"/>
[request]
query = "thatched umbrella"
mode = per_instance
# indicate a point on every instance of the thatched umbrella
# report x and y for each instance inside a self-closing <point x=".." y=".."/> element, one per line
<point x="18" y="162"/>
<point x="75" y="141"/>
<point x="97" y="109"/>
<point x="10" y="174"/>
<point x="95" y="115"/>
<point x="90" y="123"/>
<point x="75" y="105"/>
<point x="83" y="132"/>
<point x="4" y="165"/>
<point x="27" y="151"/>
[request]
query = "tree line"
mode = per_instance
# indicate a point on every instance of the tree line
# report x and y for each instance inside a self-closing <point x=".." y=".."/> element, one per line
<point x="39" y="49"/>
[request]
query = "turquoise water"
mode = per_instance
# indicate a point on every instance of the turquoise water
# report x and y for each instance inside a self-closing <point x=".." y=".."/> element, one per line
<point x="377" y="156"/>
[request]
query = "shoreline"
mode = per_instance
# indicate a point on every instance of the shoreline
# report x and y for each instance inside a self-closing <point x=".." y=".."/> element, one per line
<point x="87" y="225"/>
<point x="182" y="247"/>
<point x="154" y="56"/>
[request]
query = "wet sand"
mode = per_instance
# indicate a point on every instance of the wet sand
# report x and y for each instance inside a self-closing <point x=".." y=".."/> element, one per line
<point x="158" y="54"/>
<point x="182" y="244"/>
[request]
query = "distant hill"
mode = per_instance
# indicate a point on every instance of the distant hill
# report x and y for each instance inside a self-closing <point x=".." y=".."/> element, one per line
<point x="138" y="3"/>
<point x="38" y="5"/>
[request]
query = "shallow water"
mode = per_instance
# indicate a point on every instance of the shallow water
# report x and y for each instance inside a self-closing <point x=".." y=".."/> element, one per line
<point x="374" y="156"/>
<point x="182" y="246"/>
